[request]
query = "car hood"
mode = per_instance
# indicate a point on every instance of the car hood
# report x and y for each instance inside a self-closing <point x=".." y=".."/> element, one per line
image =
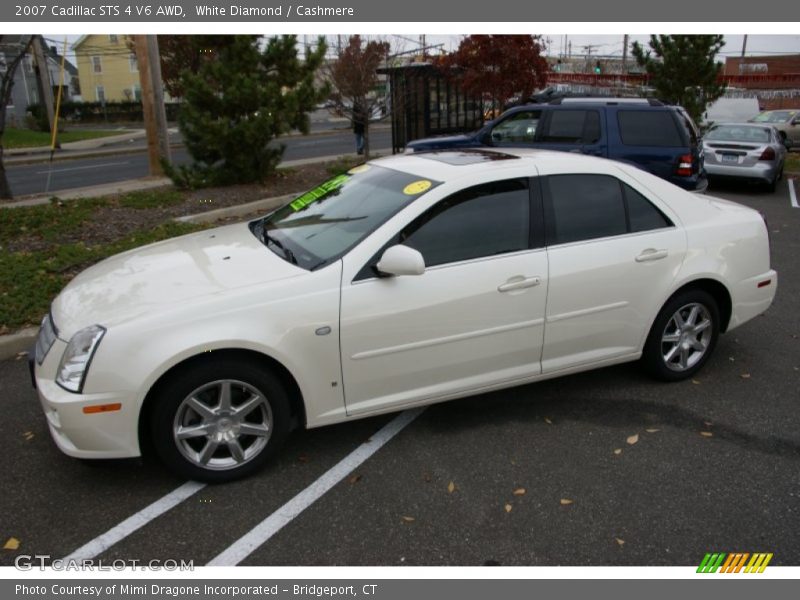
<point x="165" y="274"/>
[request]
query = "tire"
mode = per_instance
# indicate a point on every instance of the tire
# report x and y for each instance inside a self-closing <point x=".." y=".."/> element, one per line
<point x="771" y="186"/>
<point x="672" y="353"/>
<point x="221" y="420"/>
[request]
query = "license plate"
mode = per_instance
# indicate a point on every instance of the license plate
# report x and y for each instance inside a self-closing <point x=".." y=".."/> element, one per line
<point x="730" y="158"/>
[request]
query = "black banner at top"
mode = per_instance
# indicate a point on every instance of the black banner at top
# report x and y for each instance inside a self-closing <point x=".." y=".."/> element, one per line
<point x="342" y="11"/>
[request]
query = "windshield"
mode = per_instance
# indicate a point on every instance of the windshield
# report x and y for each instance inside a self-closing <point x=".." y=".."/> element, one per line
<point x="775" y="116"/>
<point x="737" y="133"/>
<point x="321" y="225"/>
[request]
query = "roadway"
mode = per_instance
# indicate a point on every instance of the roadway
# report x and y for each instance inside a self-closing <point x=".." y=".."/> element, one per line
<point x="130" y="161"/>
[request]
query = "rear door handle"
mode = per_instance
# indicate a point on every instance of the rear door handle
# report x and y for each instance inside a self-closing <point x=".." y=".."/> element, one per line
<point x="519" y="283"/>
<point x="651" y="254"/>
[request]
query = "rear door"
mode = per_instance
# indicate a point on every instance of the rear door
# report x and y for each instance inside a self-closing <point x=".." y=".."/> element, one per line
<point x="613" y="256"/>
<point x="573" y="130"/>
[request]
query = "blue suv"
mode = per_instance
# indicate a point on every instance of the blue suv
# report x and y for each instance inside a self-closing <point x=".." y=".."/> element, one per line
<point x="647" y="133"/>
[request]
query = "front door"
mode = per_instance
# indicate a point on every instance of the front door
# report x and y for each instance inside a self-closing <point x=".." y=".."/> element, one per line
<point x="474" y="318"/>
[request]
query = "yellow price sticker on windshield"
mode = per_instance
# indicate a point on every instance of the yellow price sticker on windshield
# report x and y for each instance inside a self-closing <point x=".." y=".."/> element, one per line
<point x="416" y="187"/>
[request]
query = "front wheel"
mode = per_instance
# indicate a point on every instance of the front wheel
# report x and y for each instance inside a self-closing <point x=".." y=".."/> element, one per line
<point x="220" y="420"/>
<point x="683" y="336"/>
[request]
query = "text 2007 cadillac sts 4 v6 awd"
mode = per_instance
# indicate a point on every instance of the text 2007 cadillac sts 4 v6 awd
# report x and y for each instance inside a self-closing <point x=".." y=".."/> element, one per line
<point x="405" y="281"/>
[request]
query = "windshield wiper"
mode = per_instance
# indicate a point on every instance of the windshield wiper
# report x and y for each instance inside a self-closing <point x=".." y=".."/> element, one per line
<point x="286" y="252"/>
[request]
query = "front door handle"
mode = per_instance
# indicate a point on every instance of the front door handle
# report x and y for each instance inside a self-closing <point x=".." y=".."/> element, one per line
<point x="651" y="254"/>
<point x="519" y="283"/>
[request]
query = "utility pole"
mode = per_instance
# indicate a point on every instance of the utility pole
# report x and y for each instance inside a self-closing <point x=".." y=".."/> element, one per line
<point x="744" y="44"/>
<point x="44" y="84"/>
<point x="155" y="116"/>
<point x="625" y="55"/>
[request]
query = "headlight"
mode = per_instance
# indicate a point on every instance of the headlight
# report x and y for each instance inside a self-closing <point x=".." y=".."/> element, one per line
<point x="77" y="357"/>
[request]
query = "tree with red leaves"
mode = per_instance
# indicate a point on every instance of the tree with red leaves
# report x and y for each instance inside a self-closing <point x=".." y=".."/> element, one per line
<point x="353" y="76"/>
<point x="498" y="68"/>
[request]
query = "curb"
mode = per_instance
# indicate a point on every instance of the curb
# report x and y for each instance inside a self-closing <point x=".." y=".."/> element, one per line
<point x="13" y="344"/>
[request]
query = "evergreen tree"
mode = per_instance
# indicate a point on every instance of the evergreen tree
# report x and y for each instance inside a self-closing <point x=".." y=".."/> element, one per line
<point x="236" y="105"/>
<point x="683" y="69"/>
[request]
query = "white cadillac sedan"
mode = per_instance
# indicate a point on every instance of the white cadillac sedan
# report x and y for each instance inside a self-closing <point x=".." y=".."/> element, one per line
<point x="405" y="281"/>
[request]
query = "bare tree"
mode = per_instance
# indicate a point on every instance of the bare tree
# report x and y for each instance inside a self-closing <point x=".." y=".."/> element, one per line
<point x="354" y="78"/>
<point x="12" y="50"/>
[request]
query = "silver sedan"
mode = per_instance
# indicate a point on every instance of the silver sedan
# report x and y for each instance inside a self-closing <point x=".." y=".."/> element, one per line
<point x="745" y="151"/>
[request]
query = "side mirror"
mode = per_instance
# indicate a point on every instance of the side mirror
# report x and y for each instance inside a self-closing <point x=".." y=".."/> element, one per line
<point x="401" y="260"/>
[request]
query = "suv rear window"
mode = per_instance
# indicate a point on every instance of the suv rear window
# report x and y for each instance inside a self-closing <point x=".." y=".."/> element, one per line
<point x="649" y="128"/>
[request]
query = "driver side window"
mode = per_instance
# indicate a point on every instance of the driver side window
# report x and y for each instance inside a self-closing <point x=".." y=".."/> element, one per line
<point x="519" y="127"/>
<point x="485" y="220"/>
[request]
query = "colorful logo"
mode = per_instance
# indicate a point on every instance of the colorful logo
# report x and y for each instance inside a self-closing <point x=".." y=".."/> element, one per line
<point x="734" y="562"/>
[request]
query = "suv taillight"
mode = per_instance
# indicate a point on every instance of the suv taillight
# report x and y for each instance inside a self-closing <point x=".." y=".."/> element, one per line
<point x="684" y="165"/>
<point x="768" y="154"/>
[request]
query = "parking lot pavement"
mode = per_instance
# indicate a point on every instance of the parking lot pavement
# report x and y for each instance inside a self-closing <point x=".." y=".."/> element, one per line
<point x="544" y="474"/>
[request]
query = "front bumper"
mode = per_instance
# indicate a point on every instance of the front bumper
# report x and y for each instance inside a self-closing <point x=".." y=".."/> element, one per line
<point x="97" y="435"/>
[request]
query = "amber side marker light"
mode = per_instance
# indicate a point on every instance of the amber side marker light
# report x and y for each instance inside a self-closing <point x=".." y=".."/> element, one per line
<point x="764" y="283"/>
<point x="101" y="408"/>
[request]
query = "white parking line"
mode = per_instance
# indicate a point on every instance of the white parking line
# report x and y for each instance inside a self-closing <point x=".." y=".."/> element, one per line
<point x="792" y="194"/>
<point x="245" y="545"/>
<point x="136" y="521"/>
<point x="111" y="164"/>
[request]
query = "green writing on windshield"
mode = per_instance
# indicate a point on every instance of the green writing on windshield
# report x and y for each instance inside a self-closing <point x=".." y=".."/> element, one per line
<point x="318" y="192"/>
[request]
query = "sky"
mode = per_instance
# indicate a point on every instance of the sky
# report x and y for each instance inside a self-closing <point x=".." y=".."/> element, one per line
<point x="757" y="45"/>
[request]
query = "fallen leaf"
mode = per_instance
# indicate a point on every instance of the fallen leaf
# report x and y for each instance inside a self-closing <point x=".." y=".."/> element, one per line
<point x="707" y="423"/>
<point x="706" y="434"/>
<point x="745" y="375"/>
<point x="303" y="458"/>
<point x="508" y="508"/>
<point x="730" y="358"/>
<point x="426" y="477"/>
<point x="633" y="439"/>
<point x="21" y="355"/>
<point x="617" y="450"/>
<point x="451" y="487"/>
<point x="519" y="492"/>
<point x="652" y="430"/>
<point x="409" y="519"/>
<point x="11" y="544"/>
<point x="620" y="541"/>
<point x="696" y="381"/>
<point x="548" y="421"/>
<point x="28" y="435"/>
<point x="566" y="501"/>
<point x="354" y="479"/>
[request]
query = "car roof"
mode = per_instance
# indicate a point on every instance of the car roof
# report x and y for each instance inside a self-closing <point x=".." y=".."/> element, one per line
<point x="447" y="165"/>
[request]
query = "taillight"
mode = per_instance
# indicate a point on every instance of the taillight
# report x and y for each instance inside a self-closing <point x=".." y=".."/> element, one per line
<point x="768" y="154"/>
<point x="684" y="165"/>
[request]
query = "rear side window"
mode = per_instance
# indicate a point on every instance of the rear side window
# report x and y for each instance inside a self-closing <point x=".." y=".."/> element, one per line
<point x="583" y="207"/>
<point x="573" y="127"/>
<point x="586" y="207"/>
<point x="642" y="215"/>
<point x="649" y="128"/>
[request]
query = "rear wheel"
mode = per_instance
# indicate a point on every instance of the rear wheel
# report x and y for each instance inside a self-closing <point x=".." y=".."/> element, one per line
<point x="219" y="421"/>
<point x="683" y="336"/>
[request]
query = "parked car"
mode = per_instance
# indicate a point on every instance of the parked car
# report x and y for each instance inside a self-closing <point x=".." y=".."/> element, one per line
<point x="787" y="122"/>
<point x="646" y="133"/>
<point x="405" y="281"/>
<point x="745" y="151"/>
